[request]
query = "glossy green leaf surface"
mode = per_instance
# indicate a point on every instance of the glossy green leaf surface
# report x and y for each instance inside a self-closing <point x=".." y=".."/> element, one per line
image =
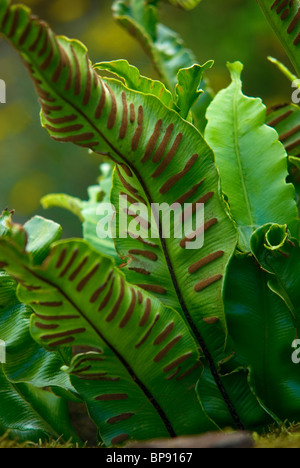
<point x="251" y="160"/>
<point x="263" y="329"/>
<point x="143" y="351"/>
<point x="284" y="18"/>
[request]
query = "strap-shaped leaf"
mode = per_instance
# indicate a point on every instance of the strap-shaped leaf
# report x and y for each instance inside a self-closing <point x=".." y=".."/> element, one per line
<point x="164" y="47"/>
<point x="251" y="161"/>
<point x="159" y="155"/>
<point x="253" y="310"/>
<point x="284" y="17"/>
<point x="286" y="121"/>
<point x="145" y="349"/>
<point x="279" y="254"/>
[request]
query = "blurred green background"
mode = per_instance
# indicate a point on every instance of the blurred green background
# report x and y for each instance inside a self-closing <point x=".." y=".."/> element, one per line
<point x="32" y="165"/>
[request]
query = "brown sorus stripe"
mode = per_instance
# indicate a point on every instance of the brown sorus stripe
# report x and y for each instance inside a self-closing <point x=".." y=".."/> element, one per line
<point x="130" y="309"/>
<point x="88" y="86"/>
<point x="164" y="334"/>
<point x="47" y="108"/>
<point x="140" y="297"/>
<point x="25" y="34"/>
<point x="108" y="296"/>
<point x="120" y="417"/>
<point x="204" y="261"/>
<point x="207" y="282"/>
<point x="117" y="305"/>
<point x="168" y="157"/>
<point x="125" y="183"/>
<point x="48" y="304"/>
<point x="34" y="45"/>
<point x="71" y="128"/>
<point x="162" y="147"/>
<point x="292" y="146"/>
<point x="129" y="197"/>
<point x="61" y="342"/>
<point x="285" y="14"/>
<point x="97" y="293"/>
<point x="56" y="74"/>
<point x="76" y="331"/>
<point x="198" y="231"/>
<point x="70" y="263"/>
<point x="170" y="377"/>
<point x="43" y="326"/>
<point x="146" y="315"/>
<point x="280" y="118"/>
<point x="172" y="181"/>
<point x="297" y="40"/>
<point x="188" y="372"/>
<point x="124" y="123"/>
<point x="210" y="320"/>
<point x="5" y="18"/>
<point x="3" y="264"/>
<point x="140" y="239"/>
<point x="148" y="332"/>
<point x="152" y="141"/>
<point x="111" y="397"/>
<point x="126" y="169"/>
<point x="152" y="288"/>
<point x="142" y="271"/>
<point x="138" y="133"/>
<point x="275" y="4"/>
<point x="113" y="112"/>
<point x="290" y="133"/>
<point x="118" y="439"/>
<point x="191" y="209"/>
<point x="78" y="269"/>
<point x="177" y="361"/>
<point x="144" y="253"/>
<point x="282" y="6"/>
<point x="61" y="120"/>
<point x="167" y="348"/>
<point x="98" y="376"/>
<point x="101" y="102"/>
<point x="87" y="278"/>
<point x="77" y="88"/>
<point x="74" y="138"/>
<point x="132" y="113"/>
<point x="88" y="359"/>
<point x="293" y="24"/>
<point x="69" y="65"/>
<point x="46" y="63"/>
<point x="56" y="317"/>
<point x="46" y="40"/>
<point x="14" y="24"/>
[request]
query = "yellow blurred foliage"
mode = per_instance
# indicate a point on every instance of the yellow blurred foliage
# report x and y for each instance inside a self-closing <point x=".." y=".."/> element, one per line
<point x="68" y="10"/>
<point x="26" y="194"/>
<point x="13" y="119"/>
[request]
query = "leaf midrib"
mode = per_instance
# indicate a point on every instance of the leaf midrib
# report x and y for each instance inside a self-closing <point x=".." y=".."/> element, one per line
<point x="238" y="153"/>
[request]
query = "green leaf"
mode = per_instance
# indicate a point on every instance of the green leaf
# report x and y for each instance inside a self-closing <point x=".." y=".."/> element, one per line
<point x="186" y="4"/>
<point x="32" y="414"/>
<point x="286" y="121"/>
<point x="239" y="387"/>
<point x="279" y="254"/>
<point x="262" y="329"/>
<point x="164" y="47"/>
<point x="187" y="89"/>
<point x="159" y="156"/>
<point x="88" y="211"/>
<point x="135" y="81"/>
<point x="251" y="161"/>
<point x="283" y="17"/>
<point x="142" y="348"/>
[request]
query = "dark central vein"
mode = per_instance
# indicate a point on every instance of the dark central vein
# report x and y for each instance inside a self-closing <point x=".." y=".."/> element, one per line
<point x="133" y="375"/>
